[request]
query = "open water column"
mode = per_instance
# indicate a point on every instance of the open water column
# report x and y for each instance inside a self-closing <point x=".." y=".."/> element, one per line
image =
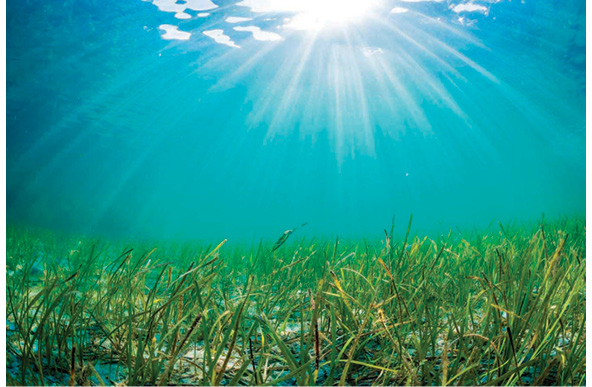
<point x="216" y="119"/>
<point x="295" y="192"/>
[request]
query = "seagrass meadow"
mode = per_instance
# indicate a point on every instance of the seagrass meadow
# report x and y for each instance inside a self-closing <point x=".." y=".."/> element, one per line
<point x="503" y="308"/>
<point x="201" y="192"/>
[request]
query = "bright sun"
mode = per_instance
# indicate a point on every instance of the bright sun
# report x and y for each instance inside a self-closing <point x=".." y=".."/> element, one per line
<point x="317" y="14"/>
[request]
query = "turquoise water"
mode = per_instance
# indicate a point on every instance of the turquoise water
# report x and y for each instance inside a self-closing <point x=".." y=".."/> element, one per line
<point x="169" y="120"/>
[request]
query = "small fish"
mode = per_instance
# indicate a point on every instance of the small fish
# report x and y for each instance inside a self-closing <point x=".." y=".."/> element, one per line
<point x="285" y="236"/>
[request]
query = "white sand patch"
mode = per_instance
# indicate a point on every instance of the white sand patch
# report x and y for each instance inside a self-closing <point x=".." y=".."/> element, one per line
<point x="236" y="19"/>
<point x="259" y="34"/>
<point x="173" y="33"/>
<point x="219" y="37"/>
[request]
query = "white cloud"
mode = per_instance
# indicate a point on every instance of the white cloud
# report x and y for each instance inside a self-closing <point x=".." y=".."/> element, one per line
<point x="219" y="37"/>
<point x="236" y="19"/>
<point x="173" y="33"/>
<point x="399" y="10"/>
<point x="203" y="14"/>
<point x="421" y="1"/>
<point x="258" y="34"/>
<point x="470" y="7"/>
<point x="182" y="15"/>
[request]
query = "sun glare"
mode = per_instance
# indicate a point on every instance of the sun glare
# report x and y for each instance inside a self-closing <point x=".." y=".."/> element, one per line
<point x="317" y="14"/>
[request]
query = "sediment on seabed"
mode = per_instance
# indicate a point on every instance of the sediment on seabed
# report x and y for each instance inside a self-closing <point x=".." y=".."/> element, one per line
<point x="506" y="308"/>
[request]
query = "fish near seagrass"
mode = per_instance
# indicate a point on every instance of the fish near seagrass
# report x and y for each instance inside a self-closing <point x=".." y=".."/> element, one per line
<point x="285" y="236"/>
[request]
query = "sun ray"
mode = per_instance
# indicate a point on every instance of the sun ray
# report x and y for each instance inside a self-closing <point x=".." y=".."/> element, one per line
<point x="294" y="88"/>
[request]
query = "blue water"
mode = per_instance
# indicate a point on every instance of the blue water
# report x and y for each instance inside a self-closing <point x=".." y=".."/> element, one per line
<point x="462" y="113"/>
